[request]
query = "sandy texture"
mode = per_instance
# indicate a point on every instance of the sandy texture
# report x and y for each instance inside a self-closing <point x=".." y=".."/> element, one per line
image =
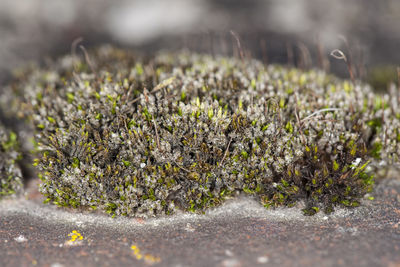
<point x="239" y="233"/>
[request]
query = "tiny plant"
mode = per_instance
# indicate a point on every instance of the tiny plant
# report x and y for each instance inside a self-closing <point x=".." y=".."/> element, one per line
<point x="185" y="131"/>
<point x="10" y="173"/>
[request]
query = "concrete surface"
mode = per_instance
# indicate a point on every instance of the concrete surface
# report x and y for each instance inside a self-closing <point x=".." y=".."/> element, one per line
<point x="239" y="233"/>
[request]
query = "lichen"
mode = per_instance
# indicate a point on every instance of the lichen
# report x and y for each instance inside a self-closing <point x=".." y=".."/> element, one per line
<point x="145" y="137"/>
<point x="148" y="258"/>
<point x="10" y="173"/>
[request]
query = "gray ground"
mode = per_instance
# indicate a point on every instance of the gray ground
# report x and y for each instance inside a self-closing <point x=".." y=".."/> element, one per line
<point x="240" y="233"/>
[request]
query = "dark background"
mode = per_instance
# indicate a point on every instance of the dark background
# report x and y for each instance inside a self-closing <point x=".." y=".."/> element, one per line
<point x="269" y="30"/>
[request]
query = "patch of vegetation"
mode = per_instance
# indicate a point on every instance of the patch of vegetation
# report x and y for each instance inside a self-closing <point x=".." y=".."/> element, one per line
<point x="380" y="77"/>
<point x="10" y="174"/>
<point x="184" y="131"/>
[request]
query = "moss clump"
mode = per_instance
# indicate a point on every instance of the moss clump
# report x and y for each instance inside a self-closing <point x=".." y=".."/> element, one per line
<point x="10" y="174"/>
<point x="381" y="77"/>
<point x="184" y="131"/>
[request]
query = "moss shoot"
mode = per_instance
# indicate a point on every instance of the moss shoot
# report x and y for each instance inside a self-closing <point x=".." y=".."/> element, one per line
<point x="10" y="173"/>
<point x="145" y="137"/>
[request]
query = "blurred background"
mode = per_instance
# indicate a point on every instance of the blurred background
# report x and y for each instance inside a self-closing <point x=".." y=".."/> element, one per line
<point x="297" y="32"/>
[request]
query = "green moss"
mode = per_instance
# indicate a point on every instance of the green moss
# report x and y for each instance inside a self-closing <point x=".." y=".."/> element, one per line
<point x="380" y="77"/>
<point x="132" y="141"/>
<point x="10" y="173"/>
<point x="376" y="150"/>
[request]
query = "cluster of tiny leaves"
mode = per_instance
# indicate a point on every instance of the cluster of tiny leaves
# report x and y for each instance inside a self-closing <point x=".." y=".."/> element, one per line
<point x="10" y="173"/>
<point x="145" y="137"/>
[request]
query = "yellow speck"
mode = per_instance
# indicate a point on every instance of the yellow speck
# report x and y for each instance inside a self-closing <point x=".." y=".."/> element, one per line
<point x="147" y="257"/>
<point x="74" y="236"/>
<point x="151" y="259"/>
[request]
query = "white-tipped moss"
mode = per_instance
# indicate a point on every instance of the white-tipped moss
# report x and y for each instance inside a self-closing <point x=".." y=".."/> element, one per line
<point x="10" y="173"/>
<point x="146" y="137"/>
